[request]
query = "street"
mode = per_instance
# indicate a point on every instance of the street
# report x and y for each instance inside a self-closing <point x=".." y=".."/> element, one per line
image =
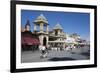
<point x="65" y="55"/>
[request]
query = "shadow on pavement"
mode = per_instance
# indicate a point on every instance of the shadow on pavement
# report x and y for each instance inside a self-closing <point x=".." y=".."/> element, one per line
<point x="61" y="59"/>
<point x="87" y="54"/>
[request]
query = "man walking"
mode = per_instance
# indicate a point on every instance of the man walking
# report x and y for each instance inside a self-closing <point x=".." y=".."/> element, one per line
<point x="43" y="51"/>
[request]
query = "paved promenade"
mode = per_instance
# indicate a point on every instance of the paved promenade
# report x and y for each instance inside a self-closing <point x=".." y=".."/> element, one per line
<point x="53" y="55"/>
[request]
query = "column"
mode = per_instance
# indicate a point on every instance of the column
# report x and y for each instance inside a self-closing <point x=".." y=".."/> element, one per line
<point x="35" y="27"/>
<point x="41" y="26"/>
<point x="41" y="39"/>
<point x="64" y="45"/>
<point x="47" y="41"/>
<point x="58" y="32"/>
<point x="47" y="28"/>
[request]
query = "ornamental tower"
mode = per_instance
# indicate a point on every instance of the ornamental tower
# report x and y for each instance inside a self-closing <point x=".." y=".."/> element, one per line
<point x="57" y="29"/>
<point x="27" y="26"/>
<point x="42" y="22"/>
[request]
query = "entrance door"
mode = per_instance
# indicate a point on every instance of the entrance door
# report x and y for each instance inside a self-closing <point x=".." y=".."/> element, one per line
<point x="44" y="41"/>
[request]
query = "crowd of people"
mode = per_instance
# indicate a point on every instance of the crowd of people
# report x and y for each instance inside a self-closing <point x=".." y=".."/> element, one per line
<point x="44" y="50"/>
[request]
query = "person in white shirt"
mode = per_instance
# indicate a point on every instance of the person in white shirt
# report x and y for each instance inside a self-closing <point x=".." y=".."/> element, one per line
<point x="43" y="51"/>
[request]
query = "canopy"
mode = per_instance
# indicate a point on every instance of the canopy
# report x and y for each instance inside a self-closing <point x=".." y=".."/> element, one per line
<point x="29" y="41"/>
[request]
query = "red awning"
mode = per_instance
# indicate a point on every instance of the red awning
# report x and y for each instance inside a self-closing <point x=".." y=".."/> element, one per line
<point x="29" y="41"/>
<point x="23" y="41"/>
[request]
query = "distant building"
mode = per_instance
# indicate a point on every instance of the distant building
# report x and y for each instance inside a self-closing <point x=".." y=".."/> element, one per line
<point x="70" y="39"/>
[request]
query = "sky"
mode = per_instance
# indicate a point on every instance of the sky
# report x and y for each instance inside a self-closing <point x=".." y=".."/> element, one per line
<point x="71" y="22"/>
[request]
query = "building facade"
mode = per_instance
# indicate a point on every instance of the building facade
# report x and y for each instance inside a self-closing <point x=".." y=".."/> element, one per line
<point x="55" y="38"/>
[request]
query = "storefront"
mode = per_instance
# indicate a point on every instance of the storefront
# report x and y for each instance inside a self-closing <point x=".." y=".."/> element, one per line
<point x="29" y="41"/>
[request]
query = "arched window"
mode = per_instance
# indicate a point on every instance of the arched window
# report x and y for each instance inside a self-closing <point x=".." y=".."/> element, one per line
<point x="44" y="41"/>
<point x="56" y="33"/>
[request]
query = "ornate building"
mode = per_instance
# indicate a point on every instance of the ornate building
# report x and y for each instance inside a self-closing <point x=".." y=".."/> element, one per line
<point x="57" y="37"/>
<point x="53" y="38"/>
<point x="29" y="41"/>
<point x="43" y="35"/>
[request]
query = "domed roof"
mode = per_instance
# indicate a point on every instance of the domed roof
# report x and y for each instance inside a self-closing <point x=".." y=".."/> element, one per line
<point x="58" y="26"/>
<point x="27" y="23"/>
<point x="41" y="18"/>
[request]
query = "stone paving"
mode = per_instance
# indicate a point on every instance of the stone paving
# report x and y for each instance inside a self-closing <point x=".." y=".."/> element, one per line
<point x="53" y="55"/>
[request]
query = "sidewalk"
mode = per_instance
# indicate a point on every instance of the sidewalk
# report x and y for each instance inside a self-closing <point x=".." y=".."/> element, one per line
<point x="29" y="56"/>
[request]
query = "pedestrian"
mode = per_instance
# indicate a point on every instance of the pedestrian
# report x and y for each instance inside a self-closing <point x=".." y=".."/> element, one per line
<point x="43" y="51"/>
<point x="40" y="49"/>
<point x="47" y="48"/>
<point x="71" y="47"/>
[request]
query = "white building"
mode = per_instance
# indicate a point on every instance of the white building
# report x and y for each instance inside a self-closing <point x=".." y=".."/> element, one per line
<point x="54" y="38"/>
<point x="72" y="39"/>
